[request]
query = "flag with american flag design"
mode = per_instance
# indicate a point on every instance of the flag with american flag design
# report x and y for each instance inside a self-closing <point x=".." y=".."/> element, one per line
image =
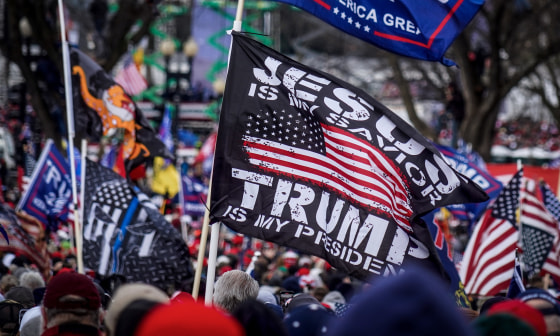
<point x="539" y="228"/>
<point x="488" y="260"/>
<point x="552" y="204"/>
<point x="130" y="77"/>
<point x="308" y="161"/>
<point x="124" y="233"/>
<point x="25" y="236"/>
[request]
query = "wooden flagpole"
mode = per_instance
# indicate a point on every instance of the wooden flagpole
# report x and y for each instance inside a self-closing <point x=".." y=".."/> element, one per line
<point x="215" y="236"/>
<point x="69" y="107"/>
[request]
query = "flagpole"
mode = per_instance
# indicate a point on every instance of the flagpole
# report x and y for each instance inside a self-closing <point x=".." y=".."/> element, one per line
<point x="214" y="237"/>
<point x="69" y="105"/>
<point x="79" y="230"/>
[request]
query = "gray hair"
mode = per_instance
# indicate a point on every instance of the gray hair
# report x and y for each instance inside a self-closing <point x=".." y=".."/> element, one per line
<point x="32" y="280"/>
<point x="233" y="288"/>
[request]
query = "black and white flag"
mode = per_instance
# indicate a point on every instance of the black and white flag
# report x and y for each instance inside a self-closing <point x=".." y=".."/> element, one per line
<point x="124" y="233"/>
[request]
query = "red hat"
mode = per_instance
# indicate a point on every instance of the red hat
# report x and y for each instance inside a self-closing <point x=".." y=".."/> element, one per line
<point x="71" y="283"/>
<point x="189" y="318"/>
<point x="522" y="311"/>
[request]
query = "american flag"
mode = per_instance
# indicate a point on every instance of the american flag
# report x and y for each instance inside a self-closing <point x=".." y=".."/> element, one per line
<point x="552" y="263"/>
<point x="296" y="145"/>
<point x="130" y="78"/>
<point x="538" y="228"/>
<point x="489" y="257"/>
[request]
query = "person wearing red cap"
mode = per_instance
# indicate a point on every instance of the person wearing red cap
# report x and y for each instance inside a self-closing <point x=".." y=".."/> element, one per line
<point x="71" y="306"/>
<point x="188" y="318"/>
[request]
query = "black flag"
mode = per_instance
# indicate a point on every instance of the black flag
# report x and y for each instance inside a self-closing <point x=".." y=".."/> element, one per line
<point x="308" y="161"/>
<point x="124" y="233"/>
<point x="102" y="108"/>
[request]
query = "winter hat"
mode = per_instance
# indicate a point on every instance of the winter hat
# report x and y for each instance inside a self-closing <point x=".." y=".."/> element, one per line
<point x="291" y="284"/>
<point x="71" y="283"/>
<point x="334" y="297"/>
<point x="22" y="295"/>
<point x="266" y="296"/>
<point x="523" y="311"/>
<point x="257" y="319"/>
<point x="413" y="303"/>
<point x="188" y="318"/>
<point x="128" y="293"/>
<point x="308" y="320"/>
<point x="303" y="299"/>
<point x="502" y="325"/>
<point x="538" y="293"/>
<point x="180" y="296"/>
<point x="132" y="315"/>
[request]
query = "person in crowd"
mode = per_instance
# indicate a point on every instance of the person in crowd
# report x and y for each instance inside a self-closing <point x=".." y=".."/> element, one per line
<point x="31" y="322"/>
<point x="510" y="317"/>
<point x="415" y="302"/>
<point x="21" y="295"/>
<point x="9" y="317"/>
<point x="130" y="304"/>
<point x="32" y="280"/>
<point x="8" y="281"/>
<point x="233" y="288"/>
<point x="307" y="319"/>
<point x="71" y="306"/>
<point x="188" y="318"/>
<point x="257" y="318"/>
<point x="543" y="301"/>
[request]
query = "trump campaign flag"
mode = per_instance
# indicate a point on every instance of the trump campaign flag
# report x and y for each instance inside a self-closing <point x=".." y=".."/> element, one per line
<point x="470" y="212"/>
<point x="49" y="194"/>
<point x="422" y="29"/>
<point x="194" y="196"/>
<point x="308" y="161"/>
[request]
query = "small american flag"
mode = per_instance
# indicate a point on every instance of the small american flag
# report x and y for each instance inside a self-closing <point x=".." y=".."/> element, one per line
<point x="489" y="257"/>
<point x="552" y="263"/>
<point x="130" y="78"/>
<point x="538" y="229"/>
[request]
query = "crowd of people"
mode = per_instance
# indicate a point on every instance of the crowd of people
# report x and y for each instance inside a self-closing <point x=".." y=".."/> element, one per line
<point x="277" y="292"/>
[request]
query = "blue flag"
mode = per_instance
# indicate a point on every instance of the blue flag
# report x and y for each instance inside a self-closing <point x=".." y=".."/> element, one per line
<point x="194" y="196"/>
<point x="50" y="189"/>
<point x="445" y="254"/>
<point x="422" y="29"/>
<point x="516" y="286"/>
<point x="470" y="212"/>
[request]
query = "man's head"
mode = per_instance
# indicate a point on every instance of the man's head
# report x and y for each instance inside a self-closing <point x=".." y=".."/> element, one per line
<point x="71" y="297"/>
<point x="234" y="287"/>
<point x="543" y="301"/>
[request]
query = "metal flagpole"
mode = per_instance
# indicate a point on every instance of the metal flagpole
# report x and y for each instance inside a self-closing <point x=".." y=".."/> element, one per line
<point x="69" y="107"/>
<point x="215" y="236"/>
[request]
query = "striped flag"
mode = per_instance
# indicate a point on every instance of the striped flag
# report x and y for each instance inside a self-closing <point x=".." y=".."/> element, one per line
<point x="552" y="204"/>
<point x="539" y="228"/>
<point x="489" y="256"/>
<point x="130" y="78"/>
<point x="333" y="157"/>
